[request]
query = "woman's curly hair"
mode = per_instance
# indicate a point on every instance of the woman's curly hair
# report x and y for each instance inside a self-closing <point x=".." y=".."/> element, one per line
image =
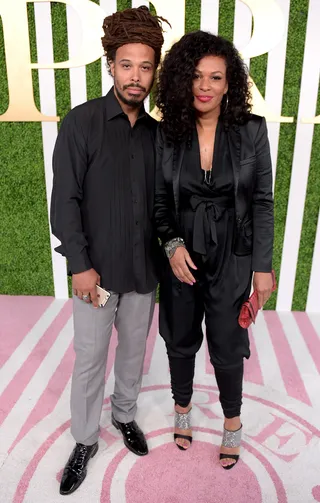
<point x="175" y="97"/>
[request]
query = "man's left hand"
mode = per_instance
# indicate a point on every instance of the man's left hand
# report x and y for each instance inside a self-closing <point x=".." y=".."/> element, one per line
<point x="263" y="283"/>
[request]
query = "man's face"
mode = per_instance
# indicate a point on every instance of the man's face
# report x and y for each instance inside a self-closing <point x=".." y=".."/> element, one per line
<point x="133" y="71"/>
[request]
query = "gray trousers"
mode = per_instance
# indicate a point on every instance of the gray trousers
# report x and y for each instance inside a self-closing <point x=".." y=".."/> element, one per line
<point x="131" y="313"/>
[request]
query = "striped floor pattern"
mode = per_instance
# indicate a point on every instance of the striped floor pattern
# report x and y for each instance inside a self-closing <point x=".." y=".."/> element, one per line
<point x="281" y="417"/>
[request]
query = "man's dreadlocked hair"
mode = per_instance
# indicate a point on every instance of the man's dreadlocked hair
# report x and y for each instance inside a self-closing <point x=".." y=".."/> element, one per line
<point x="133" y="26"/>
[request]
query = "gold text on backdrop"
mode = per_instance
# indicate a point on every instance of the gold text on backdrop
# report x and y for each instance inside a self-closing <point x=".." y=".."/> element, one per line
<point x="268" y="32"/>
<point x="16" y="41"/>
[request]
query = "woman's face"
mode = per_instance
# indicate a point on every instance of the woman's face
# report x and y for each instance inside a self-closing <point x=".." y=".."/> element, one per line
<point x="209" y="84"/>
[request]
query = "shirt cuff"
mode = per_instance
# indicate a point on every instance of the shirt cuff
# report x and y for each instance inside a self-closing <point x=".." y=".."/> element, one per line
<point x="79" y="263"/>
<point x="264" y="266"/>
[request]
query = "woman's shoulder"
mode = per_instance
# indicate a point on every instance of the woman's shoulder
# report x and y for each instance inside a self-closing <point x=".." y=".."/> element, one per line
<point x="253" y="120"/>
<point x="253" y="124"/>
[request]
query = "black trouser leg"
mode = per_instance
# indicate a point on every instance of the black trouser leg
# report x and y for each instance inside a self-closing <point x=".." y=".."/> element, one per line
<point x="180" y="317"/>
<point x="228" y="343"/>
<point x="230" y="387"/>
<point x="182" y="373"/>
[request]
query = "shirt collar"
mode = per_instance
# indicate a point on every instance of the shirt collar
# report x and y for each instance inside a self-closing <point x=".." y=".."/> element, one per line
<point x="114" y="109"/>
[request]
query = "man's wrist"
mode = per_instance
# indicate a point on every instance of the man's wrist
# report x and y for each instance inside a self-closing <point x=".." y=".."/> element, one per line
<point x="79" y="263"/>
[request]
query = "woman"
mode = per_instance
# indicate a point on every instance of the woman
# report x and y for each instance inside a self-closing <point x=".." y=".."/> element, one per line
<point x="214" y="216"/>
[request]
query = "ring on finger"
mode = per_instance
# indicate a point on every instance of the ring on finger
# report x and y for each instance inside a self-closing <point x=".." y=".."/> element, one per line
<point x="85" y="297"/>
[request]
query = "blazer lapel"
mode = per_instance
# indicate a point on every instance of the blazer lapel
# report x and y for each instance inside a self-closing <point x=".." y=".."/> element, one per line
<point x="178" y="154"/>
<point x="234" y="140"/>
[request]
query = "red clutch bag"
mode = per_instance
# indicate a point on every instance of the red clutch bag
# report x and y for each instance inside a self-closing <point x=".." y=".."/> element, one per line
<point x="250" y="308"/>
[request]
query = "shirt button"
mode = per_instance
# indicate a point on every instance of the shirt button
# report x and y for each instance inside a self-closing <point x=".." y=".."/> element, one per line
<point x="132" y="156"/>
<point x="137" y="222"/>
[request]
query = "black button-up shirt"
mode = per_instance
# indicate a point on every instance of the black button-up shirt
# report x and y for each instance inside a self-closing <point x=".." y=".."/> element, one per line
<point x="103" y="193"/>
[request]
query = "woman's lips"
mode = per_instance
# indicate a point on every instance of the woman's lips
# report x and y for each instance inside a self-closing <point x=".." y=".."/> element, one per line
<point x="204" y="99"/>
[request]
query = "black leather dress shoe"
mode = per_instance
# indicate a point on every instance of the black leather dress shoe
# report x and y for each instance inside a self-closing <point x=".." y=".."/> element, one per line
<point x="133" y="437"/>
<point x="76" y="469"/>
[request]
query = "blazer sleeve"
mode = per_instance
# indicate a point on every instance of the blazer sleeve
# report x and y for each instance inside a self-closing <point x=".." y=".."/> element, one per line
<point x="69" y="170"/>
<point x="163" y="212"/>
<point x="263" y="218"/>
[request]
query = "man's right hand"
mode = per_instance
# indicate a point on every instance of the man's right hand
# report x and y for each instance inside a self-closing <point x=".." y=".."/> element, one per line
<point x="179" y="265"/>
<point x="84" y="283"/>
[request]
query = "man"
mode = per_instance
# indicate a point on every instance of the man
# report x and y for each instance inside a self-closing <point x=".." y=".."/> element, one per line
<point x="102" y="203"/>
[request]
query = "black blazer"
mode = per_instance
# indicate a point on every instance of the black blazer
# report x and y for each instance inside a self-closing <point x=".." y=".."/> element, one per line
<point x="251" y="163"/>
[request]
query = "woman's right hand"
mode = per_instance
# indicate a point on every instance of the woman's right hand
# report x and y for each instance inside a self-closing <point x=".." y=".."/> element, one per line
<point x="179" y="265"/>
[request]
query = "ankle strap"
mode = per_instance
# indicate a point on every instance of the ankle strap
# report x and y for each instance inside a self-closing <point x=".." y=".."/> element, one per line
<point x="183" y="421"/>
<point x="232" y="438"/>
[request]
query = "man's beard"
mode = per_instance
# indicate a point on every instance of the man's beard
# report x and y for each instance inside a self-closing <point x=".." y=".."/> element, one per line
<point x="134" y="102"/>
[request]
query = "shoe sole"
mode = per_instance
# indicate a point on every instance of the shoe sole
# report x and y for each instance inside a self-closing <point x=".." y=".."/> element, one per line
<point x="94" y="452"/>
<point x="125" y="442"/>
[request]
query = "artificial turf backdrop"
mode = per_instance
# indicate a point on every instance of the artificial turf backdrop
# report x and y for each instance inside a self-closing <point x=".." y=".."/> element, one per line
<point x="25" y="258"/>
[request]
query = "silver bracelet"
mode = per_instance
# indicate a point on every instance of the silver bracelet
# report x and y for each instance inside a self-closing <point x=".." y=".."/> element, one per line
<point x="171" y="246"/>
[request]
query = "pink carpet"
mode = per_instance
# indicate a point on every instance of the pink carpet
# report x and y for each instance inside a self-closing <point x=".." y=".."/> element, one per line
<point x="280" y="455"/>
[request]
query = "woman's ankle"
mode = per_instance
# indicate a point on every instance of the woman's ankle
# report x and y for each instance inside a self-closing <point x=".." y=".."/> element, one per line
<point x="233" y="423"/>
<point x="182" y="410"/>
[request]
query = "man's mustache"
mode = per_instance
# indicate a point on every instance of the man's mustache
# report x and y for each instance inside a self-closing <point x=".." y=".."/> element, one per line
<point x="134" y="86"/>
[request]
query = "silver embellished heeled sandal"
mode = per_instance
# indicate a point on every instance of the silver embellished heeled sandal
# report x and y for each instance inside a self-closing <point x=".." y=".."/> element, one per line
<point x="183" y="422"/>
<point x="231" y="439"/>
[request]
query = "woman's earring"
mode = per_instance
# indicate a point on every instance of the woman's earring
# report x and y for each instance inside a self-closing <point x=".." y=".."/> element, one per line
<point x="227" y="103"/>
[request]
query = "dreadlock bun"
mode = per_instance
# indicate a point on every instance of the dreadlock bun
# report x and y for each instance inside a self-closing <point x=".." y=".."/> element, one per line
<point x="133" y="26"/>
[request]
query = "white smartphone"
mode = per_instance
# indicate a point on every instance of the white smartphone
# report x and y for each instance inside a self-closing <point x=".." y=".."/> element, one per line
<point x="103" y="296"/>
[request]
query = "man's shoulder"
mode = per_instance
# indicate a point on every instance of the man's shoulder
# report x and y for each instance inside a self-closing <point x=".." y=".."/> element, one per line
<point x="86" y="109"/>
<point x="152" y="123"/>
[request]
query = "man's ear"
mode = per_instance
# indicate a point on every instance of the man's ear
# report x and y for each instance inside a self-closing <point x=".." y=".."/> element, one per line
<point x="111" y="64"/>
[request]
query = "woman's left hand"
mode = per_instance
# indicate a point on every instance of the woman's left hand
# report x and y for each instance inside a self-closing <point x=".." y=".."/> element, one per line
<point x="263" y="283"/>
